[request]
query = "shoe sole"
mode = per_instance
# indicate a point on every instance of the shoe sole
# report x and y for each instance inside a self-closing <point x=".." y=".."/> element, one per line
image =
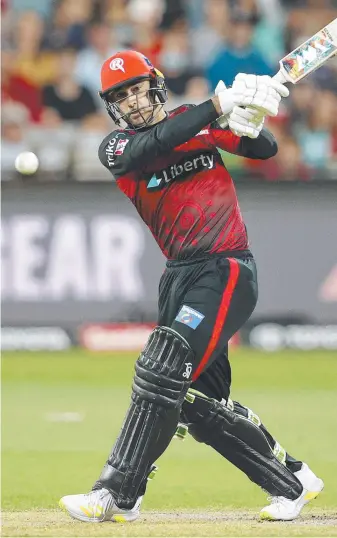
<point x="116" y="518"/>
<point x="309" y="496"/>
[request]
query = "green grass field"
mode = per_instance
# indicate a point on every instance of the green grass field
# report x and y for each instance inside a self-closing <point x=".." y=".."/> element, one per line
<point x="62" y="411"/>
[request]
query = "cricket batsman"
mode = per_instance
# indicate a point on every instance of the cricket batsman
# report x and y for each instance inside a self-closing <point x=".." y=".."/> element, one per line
<point x="169" y="166"/>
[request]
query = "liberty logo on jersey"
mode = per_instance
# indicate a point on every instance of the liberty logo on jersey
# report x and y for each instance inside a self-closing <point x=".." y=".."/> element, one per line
<point x="205" y="161"/>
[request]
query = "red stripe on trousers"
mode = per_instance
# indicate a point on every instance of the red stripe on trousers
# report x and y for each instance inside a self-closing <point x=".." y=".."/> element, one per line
<point x="234" y="271"/>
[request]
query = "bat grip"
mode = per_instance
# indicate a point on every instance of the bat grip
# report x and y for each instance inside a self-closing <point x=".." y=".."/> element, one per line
<point x="280" y="77"/>
<point x="223" y="122"/>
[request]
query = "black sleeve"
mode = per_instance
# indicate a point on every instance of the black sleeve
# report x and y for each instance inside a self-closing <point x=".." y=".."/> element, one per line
<point x="262" y="147"/>
<point x="123" y="152"/>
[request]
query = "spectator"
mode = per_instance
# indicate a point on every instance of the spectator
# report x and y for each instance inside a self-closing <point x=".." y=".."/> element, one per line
<point x="207" y="38"/>
<point x="195" y="13"/>
<point x="269" y="25"/>
<point x="101" y="44"/>
<point x="37" y="67"/>
<point x="332" y="164"/>
<point x="4" y="6"/>
<point x="316" y="136"/>
<point x="14" y="126"/>
<point x="115" y="14"/>
<point x="268" y="39"/>
<point x="72" y="101"/>
<point x="53" y="142"/>
<point x="238" y="55"/>
<point x="174" y="59"/>
<point x="300" y="101"/>
<point x="67" y="28"/>
<point x="306" y="19"/>
<point x="42" y="8"/>
<point x="173" y="12"/>
<point x="146" y="16"/>
<point x="325" y="78"/>
<point x="86" y="164"/>
<point x="197" y="90"/>
<point x="287" y="165"/>
<point x="16" y="88"/>
<point x="7" y="23"/>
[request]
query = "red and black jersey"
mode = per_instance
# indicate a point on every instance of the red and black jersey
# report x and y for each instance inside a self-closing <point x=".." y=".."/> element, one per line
<point x="175" y="177"/>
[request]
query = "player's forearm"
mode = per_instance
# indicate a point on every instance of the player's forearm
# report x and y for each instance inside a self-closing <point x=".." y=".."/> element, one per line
<point x="181" y="128"/>
<point x="216" y="103"/>
<point x="263" y="147"/>
<point x="173" y="132"/>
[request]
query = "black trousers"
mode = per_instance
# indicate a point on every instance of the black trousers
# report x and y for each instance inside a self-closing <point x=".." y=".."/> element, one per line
<point x="207" y="301"/>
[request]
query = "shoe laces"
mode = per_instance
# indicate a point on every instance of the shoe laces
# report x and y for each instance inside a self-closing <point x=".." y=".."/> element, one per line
<point x="105" y="500"/>
<point x="98" y="498"/>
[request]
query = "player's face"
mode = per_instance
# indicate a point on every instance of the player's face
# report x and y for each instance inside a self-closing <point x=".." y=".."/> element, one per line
<point x="134" y="102"/>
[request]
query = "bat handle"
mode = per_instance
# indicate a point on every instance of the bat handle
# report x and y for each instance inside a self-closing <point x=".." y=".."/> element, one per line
<point x="223" y="122"/>
<point x="280" y="77"/>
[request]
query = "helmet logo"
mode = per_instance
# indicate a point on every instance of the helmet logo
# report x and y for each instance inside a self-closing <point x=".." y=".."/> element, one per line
<point x="117" y="63"/>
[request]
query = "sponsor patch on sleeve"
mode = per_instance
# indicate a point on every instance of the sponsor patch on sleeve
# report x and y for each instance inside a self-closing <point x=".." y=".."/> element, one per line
<point x="189" y="316"/>
<point x="115" y="147"/>
<point x="121" y="146"/>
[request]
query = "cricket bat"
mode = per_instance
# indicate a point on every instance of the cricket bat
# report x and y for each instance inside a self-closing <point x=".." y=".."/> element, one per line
<point x="309" y="56"/>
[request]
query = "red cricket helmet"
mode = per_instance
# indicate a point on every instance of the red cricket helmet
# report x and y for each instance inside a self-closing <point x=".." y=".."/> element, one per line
<point x="126" y="68"/>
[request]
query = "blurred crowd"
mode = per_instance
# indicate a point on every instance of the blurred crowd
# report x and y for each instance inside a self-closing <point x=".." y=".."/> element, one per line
<point x="52" y="51"/>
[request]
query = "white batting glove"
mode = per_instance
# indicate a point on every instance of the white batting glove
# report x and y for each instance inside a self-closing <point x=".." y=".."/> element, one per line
<point x="223" y="120"/>
<point x="246" y="122"/>
<point x="260" y="92"/>
<point x="240" y="122"/>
